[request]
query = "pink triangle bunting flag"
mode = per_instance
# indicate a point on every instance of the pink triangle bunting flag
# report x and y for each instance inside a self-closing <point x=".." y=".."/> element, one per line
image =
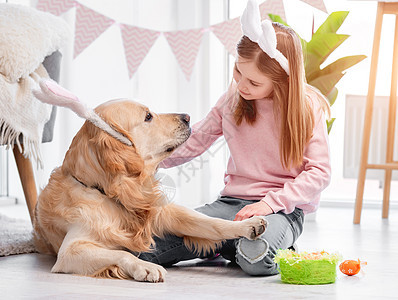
<point x="275" y="7"/>
<point x="319" y="4"/>
<point x="229" y="34"/>
<point x="137" y="42"/>
<point x="56" y="7"/>
<point x="185" y="46"/>
<point x="89" y="26"/>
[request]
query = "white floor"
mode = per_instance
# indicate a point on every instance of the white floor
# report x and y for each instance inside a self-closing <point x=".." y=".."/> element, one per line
<point x="374" y="241"/>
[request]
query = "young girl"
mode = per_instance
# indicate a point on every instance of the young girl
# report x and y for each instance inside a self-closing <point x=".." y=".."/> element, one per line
<point x="275" y="128"/>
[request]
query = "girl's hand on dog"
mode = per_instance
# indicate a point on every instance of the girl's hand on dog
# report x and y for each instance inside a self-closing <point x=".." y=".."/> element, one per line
<point x="259" y="208"/>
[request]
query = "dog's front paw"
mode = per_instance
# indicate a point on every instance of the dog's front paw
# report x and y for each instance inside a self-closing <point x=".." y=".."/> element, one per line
<point x="146" y="271"/>
<point x="255" y="227"/>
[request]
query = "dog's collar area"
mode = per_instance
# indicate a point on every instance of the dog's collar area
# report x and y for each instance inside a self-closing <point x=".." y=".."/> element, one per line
<point x="97" y="187"/>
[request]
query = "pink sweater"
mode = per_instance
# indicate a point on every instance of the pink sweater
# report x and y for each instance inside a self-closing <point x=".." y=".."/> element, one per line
<point x="254" y="170"/>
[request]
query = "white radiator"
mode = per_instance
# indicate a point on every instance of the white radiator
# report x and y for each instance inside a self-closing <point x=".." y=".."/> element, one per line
<point x="353" y="130"/>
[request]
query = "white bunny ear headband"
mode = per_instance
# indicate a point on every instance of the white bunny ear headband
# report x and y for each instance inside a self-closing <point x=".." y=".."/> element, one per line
<point x="50" y="92"/>
<point x="262" y="33"/>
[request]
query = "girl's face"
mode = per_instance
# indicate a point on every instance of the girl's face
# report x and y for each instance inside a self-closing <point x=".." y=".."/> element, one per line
<point x="251" y="83"/>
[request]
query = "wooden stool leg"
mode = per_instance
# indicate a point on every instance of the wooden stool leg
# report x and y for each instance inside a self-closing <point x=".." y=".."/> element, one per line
<point x="386" y="193"/>
<point x="368" y="114"/>
<point x="26" y="175"/>
<point x="391" y="124"/>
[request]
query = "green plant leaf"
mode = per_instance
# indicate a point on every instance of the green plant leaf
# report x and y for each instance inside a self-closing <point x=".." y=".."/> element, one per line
<point x="322" y="45"/>
<point x="338" y="66"/>
<point x="332" y="23"/>
<point x="326" y="83"/>
<point x="342" y="64"/>
<point x="276" y="18"/>
<point x="311" y="64"/>
<point x="332" y="96"/>
<point x="329" y="124"/>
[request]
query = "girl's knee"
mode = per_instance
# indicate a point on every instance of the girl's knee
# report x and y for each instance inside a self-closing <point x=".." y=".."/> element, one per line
<point x="264" y="267"/>
<point x="254" y="257"/>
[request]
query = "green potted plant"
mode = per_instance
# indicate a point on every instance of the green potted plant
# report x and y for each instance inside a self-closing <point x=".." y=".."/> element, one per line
<point x="323" y="42"/>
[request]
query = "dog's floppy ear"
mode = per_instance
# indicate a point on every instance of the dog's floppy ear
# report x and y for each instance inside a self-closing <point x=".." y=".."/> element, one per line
<point x="127" y="180"/>
<point x="116" y="158"/>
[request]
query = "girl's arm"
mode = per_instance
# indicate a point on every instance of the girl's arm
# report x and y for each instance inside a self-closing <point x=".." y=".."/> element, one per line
<point x="204" y="134"/>
<point x="307" y="186"/>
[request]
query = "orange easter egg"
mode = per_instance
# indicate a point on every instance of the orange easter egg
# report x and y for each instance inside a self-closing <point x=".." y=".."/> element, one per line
<point x="350" y="267"/>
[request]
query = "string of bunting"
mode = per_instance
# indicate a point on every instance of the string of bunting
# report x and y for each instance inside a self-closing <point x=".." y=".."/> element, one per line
<point x="138" y="41"/>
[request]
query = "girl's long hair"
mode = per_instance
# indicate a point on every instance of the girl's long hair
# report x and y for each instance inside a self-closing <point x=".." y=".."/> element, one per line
<point x="291" y="106"/>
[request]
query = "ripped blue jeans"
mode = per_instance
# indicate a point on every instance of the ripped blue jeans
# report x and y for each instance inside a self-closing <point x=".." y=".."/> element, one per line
<point x="283" y="230"/>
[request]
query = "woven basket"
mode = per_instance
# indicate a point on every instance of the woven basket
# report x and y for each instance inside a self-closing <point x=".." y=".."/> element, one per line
<point x="307" y="268"/>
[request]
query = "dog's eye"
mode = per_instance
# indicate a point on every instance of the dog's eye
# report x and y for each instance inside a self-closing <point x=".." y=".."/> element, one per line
<point x="148" y="117"/>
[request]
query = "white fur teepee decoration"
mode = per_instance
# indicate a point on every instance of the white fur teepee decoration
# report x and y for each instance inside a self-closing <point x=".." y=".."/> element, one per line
<point x="27" y="36"/>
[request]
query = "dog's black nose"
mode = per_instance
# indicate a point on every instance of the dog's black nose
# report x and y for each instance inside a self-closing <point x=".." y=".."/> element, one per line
<point x="185" y="118"/>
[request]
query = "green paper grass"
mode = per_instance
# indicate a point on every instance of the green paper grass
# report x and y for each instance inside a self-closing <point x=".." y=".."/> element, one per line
<point x="307" y="268"/>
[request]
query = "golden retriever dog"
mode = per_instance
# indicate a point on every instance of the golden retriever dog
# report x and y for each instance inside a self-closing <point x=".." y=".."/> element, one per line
<point x="103" y="205"/>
